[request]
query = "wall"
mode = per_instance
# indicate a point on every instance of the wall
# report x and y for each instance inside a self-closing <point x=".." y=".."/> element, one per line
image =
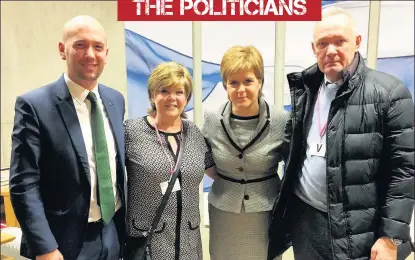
<point x="30" y="32"/>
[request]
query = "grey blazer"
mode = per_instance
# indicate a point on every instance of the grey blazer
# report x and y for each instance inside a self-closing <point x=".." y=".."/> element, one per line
<point x="257" y="160"/>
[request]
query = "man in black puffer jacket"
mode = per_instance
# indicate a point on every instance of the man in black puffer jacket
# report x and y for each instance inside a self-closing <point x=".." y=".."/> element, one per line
<point x="348" y="188"/>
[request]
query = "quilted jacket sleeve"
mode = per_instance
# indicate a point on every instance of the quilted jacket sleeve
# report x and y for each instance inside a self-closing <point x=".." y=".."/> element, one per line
<point x="396" y="212"/>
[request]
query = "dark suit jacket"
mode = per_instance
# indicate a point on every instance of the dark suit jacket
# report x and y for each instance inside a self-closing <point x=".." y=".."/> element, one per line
<point x="49" y="173"/>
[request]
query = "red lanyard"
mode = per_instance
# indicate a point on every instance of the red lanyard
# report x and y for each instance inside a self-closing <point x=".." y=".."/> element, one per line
<point x="321" y="129"/>
<point x="172" y="169"/>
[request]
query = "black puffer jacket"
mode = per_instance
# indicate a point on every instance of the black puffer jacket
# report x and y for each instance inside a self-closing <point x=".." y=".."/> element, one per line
<point x="370" y="161"/>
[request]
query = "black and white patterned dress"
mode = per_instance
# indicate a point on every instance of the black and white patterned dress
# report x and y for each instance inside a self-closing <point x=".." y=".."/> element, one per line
<point x="178" y="234"/>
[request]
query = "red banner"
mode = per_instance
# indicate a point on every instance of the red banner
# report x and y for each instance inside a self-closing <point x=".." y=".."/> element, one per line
<point x="219" y="10"/>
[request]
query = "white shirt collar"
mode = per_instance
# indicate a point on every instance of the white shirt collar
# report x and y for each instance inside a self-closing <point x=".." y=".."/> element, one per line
<point x="77" y="92"/>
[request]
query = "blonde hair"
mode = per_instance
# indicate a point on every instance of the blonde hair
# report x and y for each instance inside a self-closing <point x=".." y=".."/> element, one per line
<point x="166" y="75"/>
<point x="333" y="11"/>
<point x="240" y="58"/>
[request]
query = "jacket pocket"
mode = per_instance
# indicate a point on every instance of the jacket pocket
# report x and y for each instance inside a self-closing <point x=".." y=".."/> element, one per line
<point x="194" y="232"/>
<point x="143" y="227"/>
<point x="194" y="223"/>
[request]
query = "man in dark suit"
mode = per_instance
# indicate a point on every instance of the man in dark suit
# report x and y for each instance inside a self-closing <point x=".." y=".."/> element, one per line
<point x="67" y="180"/>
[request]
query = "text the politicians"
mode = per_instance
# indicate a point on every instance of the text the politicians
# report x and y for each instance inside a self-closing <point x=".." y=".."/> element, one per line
<point x="219" y="10"/>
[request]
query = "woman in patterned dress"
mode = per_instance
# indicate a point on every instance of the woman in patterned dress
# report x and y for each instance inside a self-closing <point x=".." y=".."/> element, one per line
<point x="149" y="160"/>
<point x="246" y="136"/>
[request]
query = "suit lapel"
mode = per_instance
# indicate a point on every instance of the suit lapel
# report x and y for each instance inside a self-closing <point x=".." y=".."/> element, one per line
<point x="263" y="123"/>
<point x="117" y="128"/>
<point x="70" y="118"/>
<point x="226" y="113"/>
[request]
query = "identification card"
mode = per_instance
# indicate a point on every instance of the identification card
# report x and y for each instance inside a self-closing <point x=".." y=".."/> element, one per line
<point x="318" y="149"/>
<point x="165" y="184"/>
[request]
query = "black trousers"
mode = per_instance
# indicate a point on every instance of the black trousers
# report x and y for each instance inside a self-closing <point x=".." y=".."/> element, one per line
<point x="104" y="242"/>
<point x="309" y="231"/>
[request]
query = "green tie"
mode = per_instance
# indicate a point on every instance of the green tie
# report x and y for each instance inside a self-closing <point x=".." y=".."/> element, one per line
<point x="103" y="170"/>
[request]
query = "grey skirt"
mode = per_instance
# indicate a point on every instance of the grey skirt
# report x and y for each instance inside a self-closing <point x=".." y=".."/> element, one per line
<point x="238" y="236"/>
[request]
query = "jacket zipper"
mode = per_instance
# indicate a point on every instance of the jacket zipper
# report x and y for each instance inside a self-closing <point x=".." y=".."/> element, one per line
<point x="327" y="185"/>
<point x="330" y="117"/>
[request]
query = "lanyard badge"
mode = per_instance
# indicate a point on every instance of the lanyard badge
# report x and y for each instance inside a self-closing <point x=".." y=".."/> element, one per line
<point x="319" y="148"/>
<point x="165" y="184"/>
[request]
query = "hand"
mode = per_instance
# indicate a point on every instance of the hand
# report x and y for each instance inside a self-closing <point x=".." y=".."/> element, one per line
<point x="384" y="249"/>
<point x="54" y="255"/>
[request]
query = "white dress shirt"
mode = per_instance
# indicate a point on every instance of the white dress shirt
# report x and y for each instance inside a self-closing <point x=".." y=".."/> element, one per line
<point x="83" y="110"/>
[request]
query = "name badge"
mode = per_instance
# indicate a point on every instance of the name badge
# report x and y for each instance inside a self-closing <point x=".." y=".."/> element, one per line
<point x="165" y="184"/>
<point x="318" y="149"/>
